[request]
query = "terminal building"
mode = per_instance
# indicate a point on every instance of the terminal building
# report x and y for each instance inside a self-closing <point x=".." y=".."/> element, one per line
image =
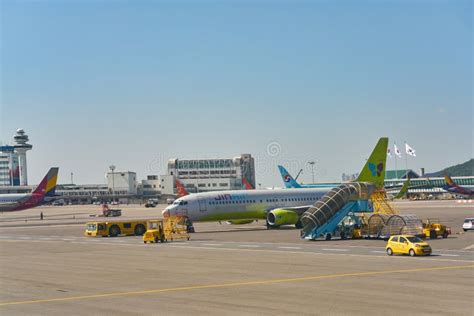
<point x="203" y="175"/>
<point x="150" y="187"/>
<point x="13" y="166"/>
<point x="121" y="187"/>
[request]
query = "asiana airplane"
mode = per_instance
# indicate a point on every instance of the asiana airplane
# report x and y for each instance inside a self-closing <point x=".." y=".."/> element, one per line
<point x="44" y="193"/>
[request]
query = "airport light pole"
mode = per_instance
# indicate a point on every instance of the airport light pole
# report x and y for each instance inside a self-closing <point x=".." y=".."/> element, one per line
<point x="312" y="162"/>
<point x="112" y="168"/>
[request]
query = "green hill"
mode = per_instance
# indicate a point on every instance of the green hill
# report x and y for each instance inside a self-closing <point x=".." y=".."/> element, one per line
<point x="464" y="169"/>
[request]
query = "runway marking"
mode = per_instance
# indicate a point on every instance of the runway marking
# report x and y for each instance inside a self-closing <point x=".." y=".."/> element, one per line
<point x="468" y="247"/>
<point x="288" y="247"/>
<point x="249" y="246"/>
<point x="212" y="245"/>
<point x="334" y="249"/>
<point x="235" y="284"/>
<point x="445" y="255"/>
<point x="188" y="245"/>
<point x="41" y="226"/>
<point x="317" y="253"/>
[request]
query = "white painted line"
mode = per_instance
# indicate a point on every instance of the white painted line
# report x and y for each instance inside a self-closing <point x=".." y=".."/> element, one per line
<point x="212" y="244"/>
<point x="333" y="249"/>
<point x="283" y="247"/>
<point x="445" y="255"/>
<point x="24" y="238"/>
<point x="378" y="251"/>
<point x="468" y="247"/>
<point x="249" y="246"/>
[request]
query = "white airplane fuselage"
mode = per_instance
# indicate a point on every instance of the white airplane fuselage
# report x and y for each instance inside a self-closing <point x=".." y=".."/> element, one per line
<point x="241" y="205"/>
<point x="17" y="202"/>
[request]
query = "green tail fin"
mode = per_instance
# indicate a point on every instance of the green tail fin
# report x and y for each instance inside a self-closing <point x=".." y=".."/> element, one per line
<point x="374" y="169"/>
<point x="403" y="190"/>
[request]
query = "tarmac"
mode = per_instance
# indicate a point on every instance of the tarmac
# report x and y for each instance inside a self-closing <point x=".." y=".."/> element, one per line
<point x="48" y="267"/>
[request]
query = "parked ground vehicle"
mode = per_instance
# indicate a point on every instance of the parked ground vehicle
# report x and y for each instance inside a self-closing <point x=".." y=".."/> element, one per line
<point x="468" y="224"/>
<point x="349" y="227"/>
<point x="155" y="232"/>
<point x="150" y="203"/>
<point x="113" y="229"/>
<point x="170" y="229"/>
<point x="408" y="245"/>
<point x="433" y="228"/>
<point x="58" y="203"/>
<point x="107" y="212"/>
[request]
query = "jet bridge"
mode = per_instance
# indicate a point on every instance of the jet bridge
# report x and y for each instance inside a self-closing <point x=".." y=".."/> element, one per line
<point x="324" y="216"/>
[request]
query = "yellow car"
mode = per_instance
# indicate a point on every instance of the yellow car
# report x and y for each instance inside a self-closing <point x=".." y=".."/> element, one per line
<point x="408" y="245"/>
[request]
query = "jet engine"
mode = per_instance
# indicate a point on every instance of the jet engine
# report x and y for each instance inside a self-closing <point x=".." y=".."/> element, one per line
<point x="280" y="217"/>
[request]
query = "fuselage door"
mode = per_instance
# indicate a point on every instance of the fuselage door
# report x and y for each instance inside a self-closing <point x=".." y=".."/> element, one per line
<point x="202" y="205"/>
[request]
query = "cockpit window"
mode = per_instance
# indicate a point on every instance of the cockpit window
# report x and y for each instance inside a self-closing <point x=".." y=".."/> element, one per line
<point x="183" y="203"/>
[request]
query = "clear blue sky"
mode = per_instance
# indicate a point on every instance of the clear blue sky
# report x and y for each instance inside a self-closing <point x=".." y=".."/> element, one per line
<point x="133" y="83"/>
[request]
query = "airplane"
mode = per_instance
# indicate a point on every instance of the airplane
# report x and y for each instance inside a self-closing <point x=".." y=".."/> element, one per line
<point x="278" y="207"/>
<point x="181" y="189"/>
<point x="43" y="194"/>
<point x="247" y="185"/>
<point x="452" y="187"/>
<point x="403" y="191"/>
<point x="290" y="182"/>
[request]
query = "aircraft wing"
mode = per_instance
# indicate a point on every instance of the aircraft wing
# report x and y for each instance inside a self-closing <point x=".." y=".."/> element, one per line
<point x="297" y="209"/>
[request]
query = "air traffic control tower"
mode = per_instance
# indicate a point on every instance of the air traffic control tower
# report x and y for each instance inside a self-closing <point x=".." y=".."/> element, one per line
<point x="20" y="140"/>
<point x="13" y="167"/>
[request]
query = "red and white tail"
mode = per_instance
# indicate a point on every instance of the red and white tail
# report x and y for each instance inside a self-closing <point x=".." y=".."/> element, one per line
<point x="181" y="189"/>
<point x="248" y="185"/>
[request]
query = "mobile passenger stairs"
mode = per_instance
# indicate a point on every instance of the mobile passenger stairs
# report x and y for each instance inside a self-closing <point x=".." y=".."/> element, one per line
<point x="347" y="207"/>
<point x="323" y="218"/>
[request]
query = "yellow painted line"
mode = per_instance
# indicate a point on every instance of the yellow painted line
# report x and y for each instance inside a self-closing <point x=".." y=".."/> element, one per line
<point x="228" y="285"/>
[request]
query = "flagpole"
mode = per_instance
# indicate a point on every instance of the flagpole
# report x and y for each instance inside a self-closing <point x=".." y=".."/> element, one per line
<point x="406" y="160"/>
<point x="396" y="157"/>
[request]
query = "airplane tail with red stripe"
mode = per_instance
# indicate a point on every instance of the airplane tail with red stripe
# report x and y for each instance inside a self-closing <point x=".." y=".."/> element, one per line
<point x="47" y="186"/>
<point x="181" y="190"/>
<point x="247" y="185"/>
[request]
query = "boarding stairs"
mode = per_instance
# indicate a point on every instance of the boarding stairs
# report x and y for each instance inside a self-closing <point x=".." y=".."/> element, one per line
<point x="381" y="204"/>
<point x="175" y="228"/>
<point x="324" y="216"/>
